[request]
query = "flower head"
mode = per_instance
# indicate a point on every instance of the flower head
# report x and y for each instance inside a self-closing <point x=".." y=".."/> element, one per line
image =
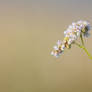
<point x="70" y="36"/>
<point x="58" y="49"/>
<point x="85" y="27"/>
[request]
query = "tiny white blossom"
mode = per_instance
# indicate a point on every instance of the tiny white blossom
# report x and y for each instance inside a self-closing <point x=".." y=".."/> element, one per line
<point x="59" y="42"/>
<point x="55" y="47"/>
<point x="52" y="53"/>
<point x="73" y="24"/>
<point x="63" y="47"/>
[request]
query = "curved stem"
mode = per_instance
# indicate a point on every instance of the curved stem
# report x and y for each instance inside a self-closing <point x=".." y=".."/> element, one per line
<point x="81" y="46"/>
<point x="87" y="52"/>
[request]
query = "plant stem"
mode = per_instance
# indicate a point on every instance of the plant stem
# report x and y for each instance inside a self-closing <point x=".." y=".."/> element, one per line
<point x="81" y="46"/>
<point x="82" y="39"/>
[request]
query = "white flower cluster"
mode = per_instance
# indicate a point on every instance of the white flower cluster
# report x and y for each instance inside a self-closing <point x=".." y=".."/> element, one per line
<point x="70" y="36"/>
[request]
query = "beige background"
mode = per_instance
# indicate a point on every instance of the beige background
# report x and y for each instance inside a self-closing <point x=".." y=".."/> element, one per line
<point x="28" y="31"/>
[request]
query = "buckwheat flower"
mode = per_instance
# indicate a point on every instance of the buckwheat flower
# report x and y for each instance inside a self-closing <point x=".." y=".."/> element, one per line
<point x="63" y="47"/>
<point x="70" y="41"/>
<point x="79" y="22"/>
<point x="85" y="27"/>
<point x="71" y="34"/>
<point x="86" y="30"/>
<point x="55" y="48"/>
<point x="73" y="23"/>
<point x="58" y="49"/>
<point x="59" y="42"/>
<point x="70" y="27"/>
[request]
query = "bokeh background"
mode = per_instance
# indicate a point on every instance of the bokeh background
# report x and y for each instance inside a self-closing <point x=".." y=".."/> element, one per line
<point x="28" y="31"/>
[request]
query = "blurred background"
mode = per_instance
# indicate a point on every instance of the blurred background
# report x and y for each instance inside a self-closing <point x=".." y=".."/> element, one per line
<point x="28" y="31"/>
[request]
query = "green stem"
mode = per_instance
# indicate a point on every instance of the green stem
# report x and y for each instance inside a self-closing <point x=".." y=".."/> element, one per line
<point x="81" y="46"/>
<point x="82" y="39"/>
